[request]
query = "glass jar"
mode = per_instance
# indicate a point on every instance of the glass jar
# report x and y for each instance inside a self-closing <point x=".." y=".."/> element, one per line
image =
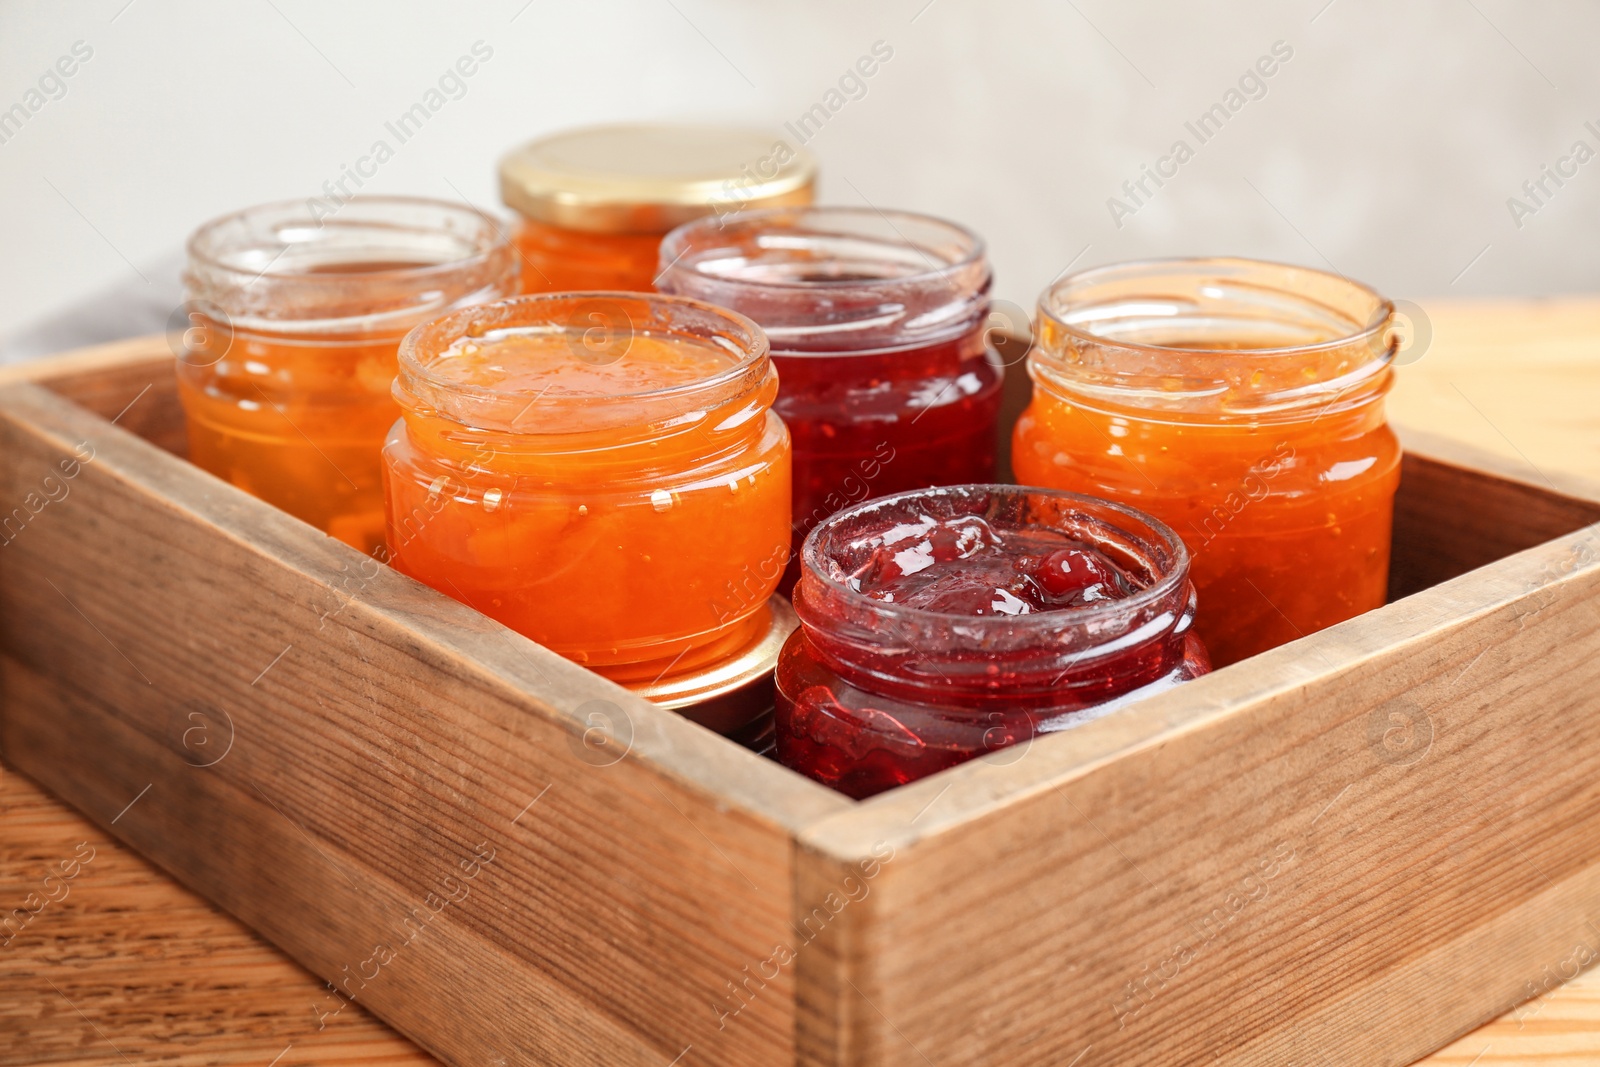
<point x="873" y="693"/>
<point x="594" y="202"/>
<point x="877" y="324"/>
<point x="297" y="314"/>
<point x="1242" y="403"/>
<point x="601" y="472"/>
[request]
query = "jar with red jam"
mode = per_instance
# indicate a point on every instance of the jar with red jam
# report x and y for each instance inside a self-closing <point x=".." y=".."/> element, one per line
<point x="938" y="625"/>
<point x="594" y="202"/>
<point x="877" y="321"/>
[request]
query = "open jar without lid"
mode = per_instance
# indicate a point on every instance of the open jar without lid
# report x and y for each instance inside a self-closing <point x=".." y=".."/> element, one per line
<point x="875" y="689"/>
<point x="1242" y="403"/>
<point x="617" y="492"/>
<point x="298" y="314"/>
<point x="877" y="323"/>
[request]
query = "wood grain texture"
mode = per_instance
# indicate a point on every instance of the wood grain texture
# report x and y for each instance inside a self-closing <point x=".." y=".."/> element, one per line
<point x="131" y="382"/>
<point x="123" y="966"/>
<point x="1483" y="506"/>
<point x="381" y="734"/>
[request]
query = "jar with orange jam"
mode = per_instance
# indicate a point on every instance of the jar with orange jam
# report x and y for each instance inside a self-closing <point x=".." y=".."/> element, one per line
<point x="296" y="316"/>
<point x="1241" y="403"/>
<point x="594" y="202"/>
<point x="597" y="471"/>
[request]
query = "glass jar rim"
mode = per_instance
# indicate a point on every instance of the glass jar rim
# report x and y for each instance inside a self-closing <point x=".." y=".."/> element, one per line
<point x="748" y="339"/>
<point x="679" y="242"/>
<point x="812" y="557"/>
<point x="488" y="238"/>
<point x="1051" y="305"/>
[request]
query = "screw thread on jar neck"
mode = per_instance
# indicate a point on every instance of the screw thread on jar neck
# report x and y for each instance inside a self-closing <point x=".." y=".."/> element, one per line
<point x="370" y="268"/>
<point x="595" y="328"/>
<point x="831" y="280"/>
<point x="1212" y="339"/>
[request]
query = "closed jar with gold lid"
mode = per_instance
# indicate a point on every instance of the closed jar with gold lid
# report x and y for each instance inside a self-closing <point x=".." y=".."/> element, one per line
<point x="593" y="203"/>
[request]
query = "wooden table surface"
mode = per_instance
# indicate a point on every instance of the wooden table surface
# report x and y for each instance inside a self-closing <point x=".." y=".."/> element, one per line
<point x="119" y="965"/>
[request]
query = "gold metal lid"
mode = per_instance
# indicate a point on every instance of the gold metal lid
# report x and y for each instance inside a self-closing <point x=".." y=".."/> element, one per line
<point x="730" y="696"/>
<point x="649" y="178"/>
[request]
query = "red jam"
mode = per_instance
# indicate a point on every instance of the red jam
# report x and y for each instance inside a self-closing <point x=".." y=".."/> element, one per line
<point x="963" y="567"/>
<point x="877" y="324"/>
<point x="940" y="625"/>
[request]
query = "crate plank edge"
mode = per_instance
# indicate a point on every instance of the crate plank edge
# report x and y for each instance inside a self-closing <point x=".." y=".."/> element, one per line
<point x="1361" y="844"/>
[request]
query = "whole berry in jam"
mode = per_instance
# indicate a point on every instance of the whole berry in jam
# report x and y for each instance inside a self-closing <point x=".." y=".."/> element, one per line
<point x="966" y="567"/>
<point x="1079" y="576"/>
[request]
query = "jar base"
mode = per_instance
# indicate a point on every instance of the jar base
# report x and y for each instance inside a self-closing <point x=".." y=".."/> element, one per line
<point x="733" y="697"/>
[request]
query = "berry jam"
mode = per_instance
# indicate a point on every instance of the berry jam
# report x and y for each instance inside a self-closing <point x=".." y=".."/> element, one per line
<point x="942" y="624"/>
<point x="877" y="324"/>
<point x="964" y="567"/>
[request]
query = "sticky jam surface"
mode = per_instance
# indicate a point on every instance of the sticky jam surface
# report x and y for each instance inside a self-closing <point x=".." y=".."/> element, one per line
<point x="965" y="567"/>
<point x="562" y="364"/>
<point x="643" y="548"/>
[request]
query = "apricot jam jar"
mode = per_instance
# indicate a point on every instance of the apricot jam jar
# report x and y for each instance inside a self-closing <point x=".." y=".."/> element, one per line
<point x="601" y="472"/>
<point x="295" y="317"/>
<point x="877" y="323"/>
<point x="594" y="202"/>
<point x="1242" y="403"/>
<point x="942" y="624"/>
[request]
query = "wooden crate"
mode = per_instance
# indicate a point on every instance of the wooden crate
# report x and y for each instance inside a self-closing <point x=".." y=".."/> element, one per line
<point x="1347" y="850"/>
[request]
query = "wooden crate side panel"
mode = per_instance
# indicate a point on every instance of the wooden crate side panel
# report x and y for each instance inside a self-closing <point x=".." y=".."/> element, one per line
<point x="1459" y="509"/>
<point x="133" y="382"/>
<point x="1555" y="921"/>
<point x="387" y="944"/>
<point x="1195" y="879"/>
<point x="390" y="732"/>
<point x="834" y="1022"/>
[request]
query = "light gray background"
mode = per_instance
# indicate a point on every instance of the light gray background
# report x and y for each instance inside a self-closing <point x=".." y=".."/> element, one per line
<point x="1387" y="147"/>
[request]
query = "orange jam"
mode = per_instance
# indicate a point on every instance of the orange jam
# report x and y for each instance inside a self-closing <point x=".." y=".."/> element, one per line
<point x="602" y="473"/>
<point x="594" y="202"/>
<point x="557" y="260"/>
<point x="296" y="315"/>
<point x="1242" y="404"/>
